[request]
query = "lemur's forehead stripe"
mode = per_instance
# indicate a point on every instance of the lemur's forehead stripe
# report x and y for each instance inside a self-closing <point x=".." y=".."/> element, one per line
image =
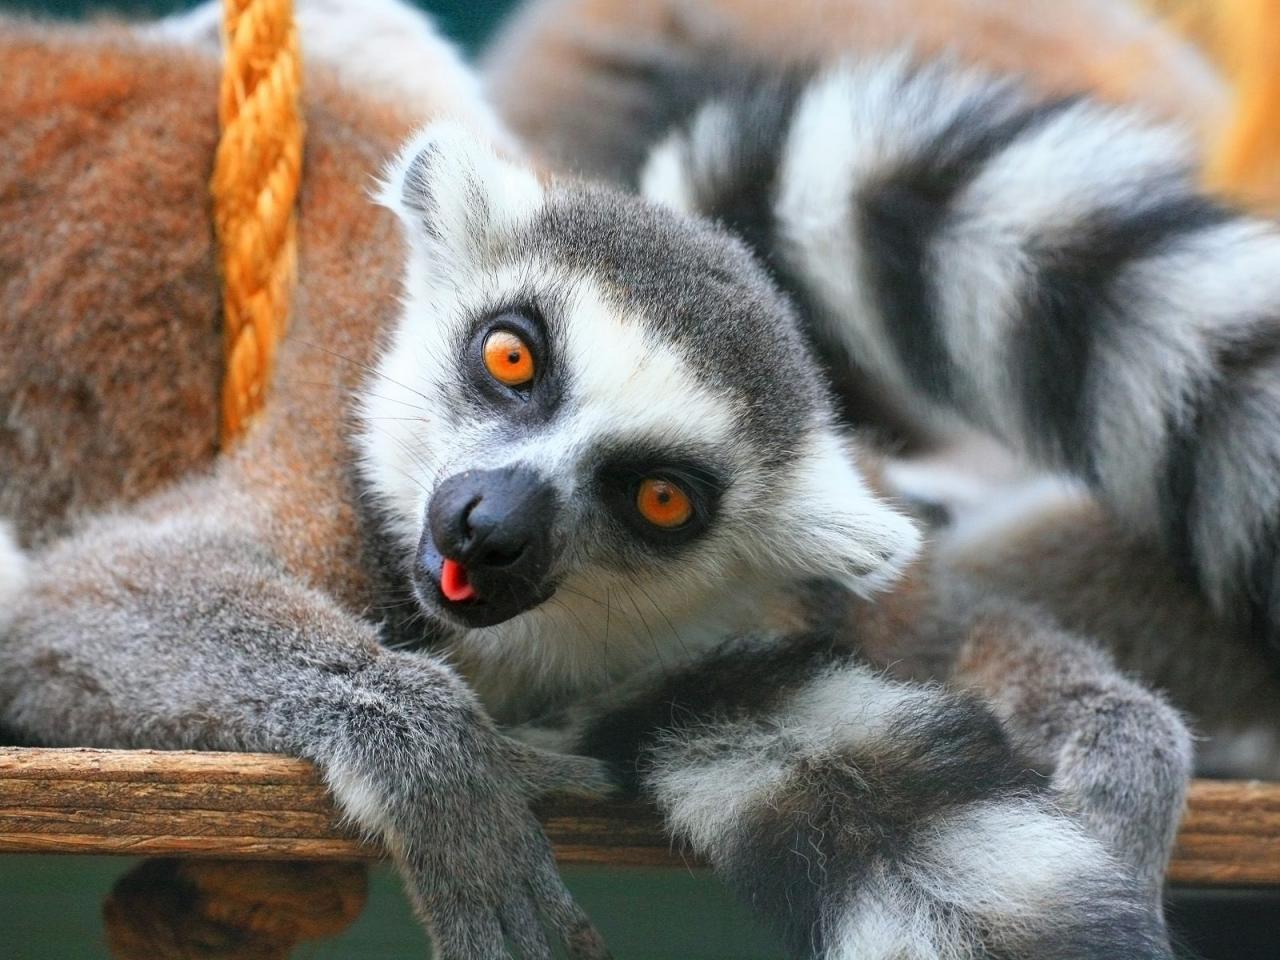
<point x="620" y="385"/>
<point x="697" y="294"/>
<point x="626" y="379"/>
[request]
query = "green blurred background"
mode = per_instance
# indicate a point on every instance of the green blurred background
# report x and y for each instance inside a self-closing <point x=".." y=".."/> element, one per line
<point x="467" y="21"/>
<point x="50" y="906"/>
<point x="50" y="909"/>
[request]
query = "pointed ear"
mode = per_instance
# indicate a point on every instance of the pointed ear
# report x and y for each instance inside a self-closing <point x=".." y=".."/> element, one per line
<point x="453" y="192"/>
<point x="836" y="526"/>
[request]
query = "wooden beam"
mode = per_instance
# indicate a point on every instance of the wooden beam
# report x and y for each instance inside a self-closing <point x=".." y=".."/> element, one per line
<point x="260" y="806"/>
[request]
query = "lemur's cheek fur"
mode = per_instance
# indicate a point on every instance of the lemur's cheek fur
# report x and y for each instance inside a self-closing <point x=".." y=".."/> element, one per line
<point x="839" y="527"/>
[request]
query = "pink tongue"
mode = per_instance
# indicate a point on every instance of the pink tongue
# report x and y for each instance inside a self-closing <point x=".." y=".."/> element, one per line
<point x="453" y="582"/>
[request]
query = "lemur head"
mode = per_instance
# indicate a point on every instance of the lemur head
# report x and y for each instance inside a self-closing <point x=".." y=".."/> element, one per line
<point x="597" y="413"/>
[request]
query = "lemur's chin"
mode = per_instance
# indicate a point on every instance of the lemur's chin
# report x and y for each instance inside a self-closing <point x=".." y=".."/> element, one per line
<point x="469" y="598"/>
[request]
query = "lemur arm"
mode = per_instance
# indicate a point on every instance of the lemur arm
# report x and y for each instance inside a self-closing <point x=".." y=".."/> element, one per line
<point x="1046" y="271"/>
<point x="184" y="632"/>
<point x="872" y="819"/>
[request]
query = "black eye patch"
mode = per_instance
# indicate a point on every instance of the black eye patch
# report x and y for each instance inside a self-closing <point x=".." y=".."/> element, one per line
<point x="622" y="478"/>
<point x="532" y="390"/>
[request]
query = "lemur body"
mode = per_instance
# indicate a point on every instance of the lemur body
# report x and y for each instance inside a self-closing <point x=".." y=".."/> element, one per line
<point x="858" y="767"/>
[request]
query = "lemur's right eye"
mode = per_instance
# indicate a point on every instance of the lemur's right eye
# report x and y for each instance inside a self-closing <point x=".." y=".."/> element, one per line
<point x="508" y="359"/>
<point x="663" y="503"/>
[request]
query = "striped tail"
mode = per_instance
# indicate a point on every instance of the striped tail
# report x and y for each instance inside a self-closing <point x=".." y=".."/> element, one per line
<point x="866" y="819"/>
<point x="1045" y="270"/>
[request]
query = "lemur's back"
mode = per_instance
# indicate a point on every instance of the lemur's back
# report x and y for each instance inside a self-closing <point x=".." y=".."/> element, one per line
<point x="110" y="349"/>
<point x="110" y="345"/>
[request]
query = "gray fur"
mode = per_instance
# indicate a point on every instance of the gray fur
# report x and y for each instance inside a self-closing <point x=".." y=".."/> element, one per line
<point x="665" y="343"/>
<point x="233" y="611"/>
<point x="122" y="640"/>
<point x="1048" y="272"/>
<point x="1118" y="754"/>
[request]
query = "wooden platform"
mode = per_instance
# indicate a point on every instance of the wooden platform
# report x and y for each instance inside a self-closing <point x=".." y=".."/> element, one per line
<point x="258" y="806"/>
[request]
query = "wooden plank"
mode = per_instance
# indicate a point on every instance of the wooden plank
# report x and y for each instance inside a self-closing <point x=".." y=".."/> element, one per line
<point x="259" y="806"/>
<point x="1230" y="835"/>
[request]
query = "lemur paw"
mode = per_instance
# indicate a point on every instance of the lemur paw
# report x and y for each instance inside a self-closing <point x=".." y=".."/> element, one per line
<point x="449" y="796"/>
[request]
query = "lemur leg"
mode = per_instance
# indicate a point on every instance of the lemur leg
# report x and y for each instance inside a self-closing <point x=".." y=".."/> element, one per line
<point x="1119" y="756"/>
<point x="185" y="632"/>
<point x="865" y="817"/>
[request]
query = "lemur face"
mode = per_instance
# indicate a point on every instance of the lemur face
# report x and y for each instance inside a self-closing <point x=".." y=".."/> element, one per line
<point x="599" y="413"/>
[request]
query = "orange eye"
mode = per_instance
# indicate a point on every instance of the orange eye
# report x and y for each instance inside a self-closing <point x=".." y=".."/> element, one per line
<point x="508" y="359"/>
<point x="663" y="504"/>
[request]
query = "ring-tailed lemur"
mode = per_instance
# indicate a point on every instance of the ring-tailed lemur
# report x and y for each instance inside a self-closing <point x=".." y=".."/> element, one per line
<point x="596" y="462"/>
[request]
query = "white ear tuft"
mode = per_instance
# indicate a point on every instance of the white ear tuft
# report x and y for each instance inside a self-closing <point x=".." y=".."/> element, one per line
<point x="453" y="192"/>
<point x="836" y="526"/>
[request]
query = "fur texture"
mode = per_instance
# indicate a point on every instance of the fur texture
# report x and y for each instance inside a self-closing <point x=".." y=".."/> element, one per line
<point x="1045" y="270"/>
<point x="857" y="764"/>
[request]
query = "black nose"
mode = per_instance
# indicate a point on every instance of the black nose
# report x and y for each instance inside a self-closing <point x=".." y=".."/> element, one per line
<point x="498" y="524"/>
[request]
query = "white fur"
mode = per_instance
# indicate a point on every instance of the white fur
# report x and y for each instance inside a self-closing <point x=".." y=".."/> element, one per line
<point x="360" y="804"/>
<point x="672" y="167"/>
<point x="604" y="625"/>
<point x="665" y="176"/>
<point x="625" y="384"/>
<point x="399" y="406"/>
<point x="822" y="161"/>
<point x="1219" y="285"/>
<point x="1008" y="508"/>
<point x="1006" y="862"/>
<point x="705" y="798"/>
<point x="990" y="874"/>
<point x="856" y="123"/>
<point x="1056" y="175"/>
<point x="474" y="194"/>
<point x="837" y="526"/>
<point x="851" y="705"/>
<point x="13" y="574"/>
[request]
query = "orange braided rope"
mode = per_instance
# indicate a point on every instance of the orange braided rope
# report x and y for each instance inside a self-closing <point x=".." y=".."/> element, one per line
<point x="255" y="183"/>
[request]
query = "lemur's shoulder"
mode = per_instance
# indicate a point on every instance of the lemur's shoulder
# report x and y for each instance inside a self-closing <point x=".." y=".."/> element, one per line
<point x="573" y="76"/>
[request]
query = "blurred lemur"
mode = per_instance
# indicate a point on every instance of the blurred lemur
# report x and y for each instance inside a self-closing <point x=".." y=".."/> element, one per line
<point x="564" y="458"/>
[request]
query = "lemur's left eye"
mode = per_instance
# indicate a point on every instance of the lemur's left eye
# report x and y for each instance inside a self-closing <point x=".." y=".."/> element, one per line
<point x="508" y="359"/>
<point x="663" y="503"/>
